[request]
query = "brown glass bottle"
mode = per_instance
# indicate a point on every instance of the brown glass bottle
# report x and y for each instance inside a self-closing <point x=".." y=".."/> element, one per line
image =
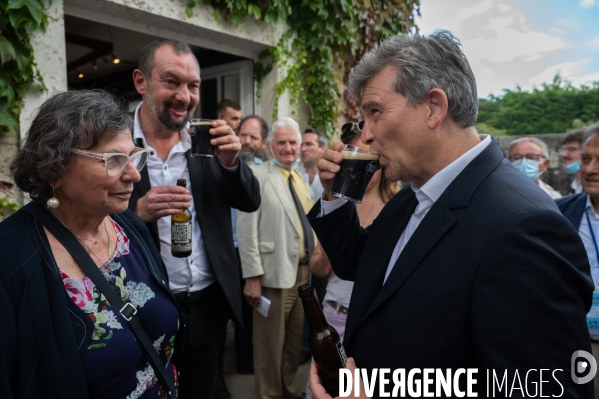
<point x="324" y="342"/>
<point x="181" y="230"/>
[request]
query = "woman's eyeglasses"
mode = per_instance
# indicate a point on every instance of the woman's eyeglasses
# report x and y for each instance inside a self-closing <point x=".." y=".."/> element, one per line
<point x="115" y="162"/>
<point x="348" y="128"/>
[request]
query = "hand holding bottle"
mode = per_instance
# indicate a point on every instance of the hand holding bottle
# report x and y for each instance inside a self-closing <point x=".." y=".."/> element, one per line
<point x="318" y="391"/>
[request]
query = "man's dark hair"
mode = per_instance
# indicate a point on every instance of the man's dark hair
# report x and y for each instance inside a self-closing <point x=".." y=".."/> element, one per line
<point x="322" y="140"/>
<point x="146" y="56"/>
<point x="224" y="104"/>
<point x="263" y="125"/>
<point x="574" y="137"/>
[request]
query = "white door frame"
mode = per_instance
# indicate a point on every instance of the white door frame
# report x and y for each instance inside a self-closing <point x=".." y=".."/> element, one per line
<point x="246" y="81"/>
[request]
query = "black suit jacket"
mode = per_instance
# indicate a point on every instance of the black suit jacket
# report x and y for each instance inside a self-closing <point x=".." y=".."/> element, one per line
<point x="215" y="191"/>
<point x="494" y="277"/>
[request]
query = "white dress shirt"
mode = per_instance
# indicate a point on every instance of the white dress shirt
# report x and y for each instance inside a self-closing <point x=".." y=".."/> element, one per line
<point x="426" y="195"/>
<point x="194" y="272"/>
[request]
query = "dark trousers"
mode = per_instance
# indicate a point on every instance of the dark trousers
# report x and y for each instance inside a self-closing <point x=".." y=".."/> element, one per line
<point x="202" y="314"/>
<point x="244" y="347"/>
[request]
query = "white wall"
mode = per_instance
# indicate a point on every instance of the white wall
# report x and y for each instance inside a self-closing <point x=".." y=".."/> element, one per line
<point x="50" y="55"/>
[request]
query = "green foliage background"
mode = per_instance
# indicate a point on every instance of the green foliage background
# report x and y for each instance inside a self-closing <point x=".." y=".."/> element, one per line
<point x="555" y="107"/>
<point x="19" y="19"/>
<point x="324" y="38"/>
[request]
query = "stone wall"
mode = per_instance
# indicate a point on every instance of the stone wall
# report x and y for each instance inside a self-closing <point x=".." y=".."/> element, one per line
<point x="9" y="145"/>
<point x="555" y="176"/>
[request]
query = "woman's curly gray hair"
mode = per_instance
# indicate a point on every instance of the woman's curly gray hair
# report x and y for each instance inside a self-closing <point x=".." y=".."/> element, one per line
<point x="73" y="119"/>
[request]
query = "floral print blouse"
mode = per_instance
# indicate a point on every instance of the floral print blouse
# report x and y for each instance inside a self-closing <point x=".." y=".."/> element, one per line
<point x="114" y="364"/>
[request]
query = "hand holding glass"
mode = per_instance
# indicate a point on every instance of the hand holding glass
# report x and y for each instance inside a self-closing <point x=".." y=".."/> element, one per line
<point x="357" y="168"/>
<point x="200" y="138"/>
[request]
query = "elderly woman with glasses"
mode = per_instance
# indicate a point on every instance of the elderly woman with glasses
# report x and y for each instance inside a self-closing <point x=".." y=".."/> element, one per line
<point x="60" y="336"/>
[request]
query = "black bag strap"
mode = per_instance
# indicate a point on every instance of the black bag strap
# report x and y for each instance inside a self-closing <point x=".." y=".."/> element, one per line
<point x="127" y="310"/>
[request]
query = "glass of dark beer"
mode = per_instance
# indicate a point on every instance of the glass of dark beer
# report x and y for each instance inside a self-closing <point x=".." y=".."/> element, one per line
<point x="357" y="169"/>
<point x="200" y="138"/>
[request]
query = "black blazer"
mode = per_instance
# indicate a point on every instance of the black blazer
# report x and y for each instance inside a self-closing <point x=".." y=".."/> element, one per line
<point x="43" y="335"/>
<point x="494" y="277"/>
<point x="572" y="207"/>
<point x="215" y="191"/>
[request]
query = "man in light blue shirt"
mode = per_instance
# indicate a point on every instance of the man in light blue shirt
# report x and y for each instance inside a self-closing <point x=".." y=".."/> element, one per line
<point x="582" y="210"/>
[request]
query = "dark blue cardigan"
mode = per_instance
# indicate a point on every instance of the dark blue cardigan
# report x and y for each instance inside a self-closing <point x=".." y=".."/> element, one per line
<point x="43" y="334"/>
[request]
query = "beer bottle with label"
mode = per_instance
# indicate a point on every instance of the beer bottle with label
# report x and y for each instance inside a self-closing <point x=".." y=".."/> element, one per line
<point x="324" y="342"/>
<point x="181" y="230"/>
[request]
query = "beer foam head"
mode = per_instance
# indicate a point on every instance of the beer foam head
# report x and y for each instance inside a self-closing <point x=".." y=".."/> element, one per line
<point x="203" y="123"/>
<point x="359" y="156"/>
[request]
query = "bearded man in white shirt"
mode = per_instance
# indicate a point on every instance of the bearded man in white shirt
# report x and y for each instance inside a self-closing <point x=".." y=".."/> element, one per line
<point x="470" y="266"/>
<point x="206" y="283"/>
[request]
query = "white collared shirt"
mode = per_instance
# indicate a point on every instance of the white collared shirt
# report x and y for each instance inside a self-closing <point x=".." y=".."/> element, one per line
<point x="194" y="272"/>
<point x="426" y="195"/>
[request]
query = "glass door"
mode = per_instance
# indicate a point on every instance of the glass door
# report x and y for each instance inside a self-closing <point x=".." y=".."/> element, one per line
<point x="233" y="81"/>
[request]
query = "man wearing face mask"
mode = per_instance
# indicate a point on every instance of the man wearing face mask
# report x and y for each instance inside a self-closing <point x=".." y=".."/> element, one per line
<point x="531" y="157"/>
<point x="570" y="153"/>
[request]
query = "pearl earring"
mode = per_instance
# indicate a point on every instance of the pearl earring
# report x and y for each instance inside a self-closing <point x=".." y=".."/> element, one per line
<point x="53" y="202"/>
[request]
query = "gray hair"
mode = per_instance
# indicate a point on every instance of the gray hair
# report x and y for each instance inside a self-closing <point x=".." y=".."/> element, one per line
<point x="589" y="133"/>
<point x="423" y="63"/>
<point x="533" y="140"/>
<point x="73" y="119"/>
<point x="285" y="122"/>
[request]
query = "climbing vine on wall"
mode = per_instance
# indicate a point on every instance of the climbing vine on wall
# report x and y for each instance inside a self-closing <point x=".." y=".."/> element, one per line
<point x="324" y="39"/>
<point x="19" y="19"/>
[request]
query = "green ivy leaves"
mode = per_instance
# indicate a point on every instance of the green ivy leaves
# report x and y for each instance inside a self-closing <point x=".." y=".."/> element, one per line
<point x="324" y="38"/>
<point x="6" y="205"/>
<point x="19" y="19"/>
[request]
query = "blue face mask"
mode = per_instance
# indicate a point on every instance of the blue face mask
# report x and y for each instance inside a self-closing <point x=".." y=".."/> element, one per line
<point x="572" y="168"/>
<point x="528" y="167"/>
<point x="282" y="165"/>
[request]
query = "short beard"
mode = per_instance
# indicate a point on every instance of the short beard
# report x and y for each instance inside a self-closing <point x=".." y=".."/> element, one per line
<point x="164" y="117"/>
<point x="247" y="156"/>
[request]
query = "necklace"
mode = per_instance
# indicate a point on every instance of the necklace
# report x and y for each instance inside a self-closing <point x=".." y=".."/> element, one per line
<point x="96" y="256"/>
<point x="81" y="238"/>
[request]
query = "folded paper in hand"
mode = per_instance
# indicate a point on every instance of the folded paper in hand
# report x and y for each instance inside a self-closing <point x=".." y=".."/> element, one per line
<point x="264" y="306"/>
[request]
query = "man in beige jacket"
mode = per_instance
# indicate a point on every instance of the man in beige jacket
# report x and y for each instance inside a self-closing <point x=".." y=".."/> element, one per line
<point x="274" y="251"/>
